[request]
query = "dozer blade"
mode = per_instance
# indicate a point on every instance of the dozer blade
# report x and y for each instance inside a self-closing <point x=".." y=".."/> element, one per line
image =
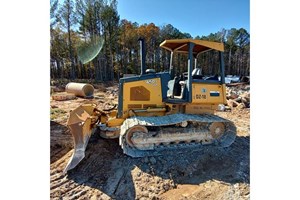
<point x="81" y="122"/>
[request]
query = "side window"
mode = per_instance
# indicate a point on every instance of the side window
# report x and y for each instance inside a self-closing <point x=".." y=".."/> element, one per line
<point x="209" y="64"/>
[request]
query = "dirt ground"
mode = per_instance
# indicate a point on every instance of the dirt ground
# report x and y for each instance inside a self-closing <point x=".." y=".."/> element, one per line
<point x="106" y="173"/>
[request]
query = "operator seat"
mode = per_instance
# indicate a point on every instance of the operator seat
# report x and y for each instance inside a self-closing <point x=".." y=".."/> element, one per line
<point x="175" y="86"/>
<point x="197" y="73"/>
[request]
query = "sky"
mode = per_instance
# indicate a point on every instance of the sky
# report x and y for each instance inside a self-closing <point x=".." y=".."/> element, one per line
<point x="196" y="17"/>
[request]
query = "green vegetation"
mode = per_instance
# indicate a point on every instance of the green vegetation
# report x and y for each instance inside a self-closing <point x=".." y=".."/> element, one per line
<point x="73" y="23"/>
<point x="56" y="113"/>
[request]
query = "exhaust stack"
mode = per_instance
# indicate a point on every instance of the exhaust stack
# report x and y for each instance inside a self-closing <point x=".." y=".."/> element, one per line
<point x="143" y="55"/>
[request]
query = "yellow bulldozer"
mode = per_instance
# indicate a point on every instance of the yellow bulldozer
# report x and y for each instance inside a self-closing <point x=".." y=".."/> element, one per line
<point x="160" y="112"/>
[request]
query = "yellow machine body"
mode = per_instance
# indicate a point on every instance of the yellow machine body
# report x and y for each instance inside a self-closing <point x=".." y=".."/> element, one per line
<point x="208" y="93"/>
<point x="144" y="98"/>
<point x="138" y="96"/>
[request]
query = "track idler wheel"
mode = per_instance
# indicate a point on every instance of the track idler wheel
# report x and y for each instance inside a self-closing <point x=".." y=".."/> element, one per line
<point x="217" y="129"/>
<point x="224" y="133"/>
<point x="136" y="135"/>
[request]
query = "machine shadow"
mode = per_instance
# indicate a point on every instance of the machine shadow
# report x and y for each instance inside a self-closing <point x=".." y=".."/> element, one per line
<point x="107" y="169"/>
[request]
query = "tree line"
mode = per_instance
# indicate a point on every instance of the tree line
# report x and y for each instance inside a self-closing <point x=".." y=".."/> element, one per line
<point x="74" y="22"/>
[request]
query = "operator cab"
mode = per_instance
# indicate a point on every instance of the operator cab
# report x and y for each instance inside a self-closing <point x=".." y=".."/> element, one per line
<point x="180" y="83"/>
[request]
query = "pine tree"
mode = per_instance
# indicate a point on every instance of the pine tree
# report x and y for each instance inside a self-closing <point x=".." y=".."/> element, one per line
<point x="68" y="20"/>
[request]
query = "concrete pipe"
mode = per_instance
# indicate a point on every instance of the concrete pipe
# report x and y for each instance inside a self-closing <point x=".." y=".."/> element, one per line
<point x="80" y="89"/>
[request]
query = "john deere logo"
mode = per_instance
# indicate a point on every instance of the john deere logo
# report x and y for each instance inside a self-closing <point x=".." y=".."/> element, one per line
<point x="203" y="90"/>
<point x="151" y="81"/>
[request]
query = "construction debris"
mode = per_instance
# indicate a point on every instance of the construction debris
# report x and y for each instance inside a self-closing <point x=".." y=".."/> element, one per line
<point x="63" y="96"/>
<point x="238" y="95"/>
<point x="236" y="80"/>
<point x="56" y="89"/>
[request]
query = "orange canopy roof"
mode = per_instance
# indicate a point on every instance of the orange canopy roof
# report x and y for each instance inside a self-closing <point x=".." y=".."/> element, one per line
<point x="181" y="45"/>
